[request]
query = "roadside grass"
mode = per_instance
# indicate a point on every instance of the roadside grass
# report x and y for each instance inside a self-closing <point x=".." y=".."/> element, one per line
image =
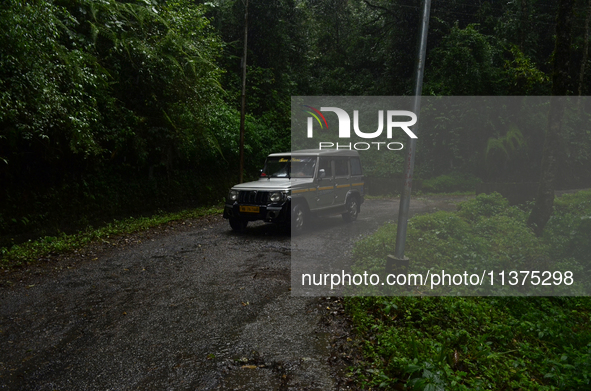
<point x="479" y="343"/>
<point x="30" y="252"/>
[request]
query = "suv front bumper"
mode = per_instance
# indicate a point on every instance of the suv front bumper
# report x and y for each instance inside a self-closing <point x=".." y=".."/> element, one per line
<point x="274" y="213"/>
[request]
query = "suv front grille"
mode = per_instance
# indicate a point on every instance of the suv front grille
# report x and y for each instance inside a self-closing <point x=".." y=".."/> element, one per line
<point x="253" y="197"/>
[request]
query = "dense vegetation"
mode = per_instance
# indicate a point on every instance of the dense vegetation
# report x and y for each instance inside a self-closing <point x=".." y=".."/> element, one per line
<point x="477" y="343"/>
<point x="115" y="107"/>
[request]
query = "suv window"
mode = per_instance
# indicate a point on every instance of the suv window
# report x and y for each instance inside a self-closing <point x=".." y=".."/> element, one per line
<point x="341" y="167"/>
<point x="284" y="167"/>
<point x="325" y="165"/>
<point x="355" y="166"/>
<point x="303" y="167"/>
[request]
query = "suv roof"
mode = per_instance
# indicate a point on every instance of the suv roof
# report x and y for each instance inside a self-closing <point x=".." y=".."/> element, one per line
<point x="318" y="152"/>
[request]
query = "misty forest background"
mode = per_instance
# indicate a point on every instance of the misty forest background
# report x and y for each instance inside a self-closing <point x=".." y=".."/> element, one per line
<point x="114" y="108"/>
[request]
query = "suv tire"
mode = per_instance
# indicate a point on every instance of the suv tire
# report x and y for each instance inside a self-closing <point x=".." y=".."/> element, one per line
<point x="298" y="219"/>
<point x="238" y="224"/>
<point x="352" y="209"/>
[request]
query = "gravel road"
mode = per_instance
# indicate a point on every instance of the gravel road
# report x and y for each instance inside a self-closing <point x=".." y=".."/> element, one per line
<point x="191" y="305"/>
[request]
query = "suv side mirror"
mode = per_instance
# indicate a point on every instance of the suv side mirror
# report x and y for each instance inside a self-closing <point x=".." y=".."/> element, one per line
<point x="321" y="173"/>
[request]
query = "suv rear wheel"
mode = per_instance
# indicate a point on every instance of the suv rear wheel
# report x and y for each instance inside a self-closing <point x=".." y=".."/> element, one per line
<point x="352" y="209"/>
<point x="298" y="219"/>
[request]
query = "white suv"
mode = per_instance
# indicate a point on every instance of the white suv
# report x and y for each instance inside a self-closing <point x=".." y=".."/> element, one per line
<point x="294" y="186"/>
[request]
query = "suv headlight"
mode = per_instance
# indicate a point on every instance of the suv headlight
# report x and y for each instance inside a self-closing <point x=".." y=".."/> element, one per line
<point x="276" y="196"/>
<point x="233" y="195"/>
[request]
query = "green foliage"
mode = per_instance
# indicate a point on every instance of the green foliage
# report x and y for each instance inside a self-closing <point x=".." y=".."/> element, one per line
<point x="468" y="64"/>
<point x="525" y="78"/>
<point x="478" y="343"/>
<point x="484" y="206"/>
<point x="569" y="230"/>
<point x="449" y="183"/>
<point x="576" y="152"/>
<point x="50" y="83"/>
<point x="378" y="164"/>
<point x="501" y="149"/>
<point x="130" y="81"/>
<point x="261" y="138"/>
<point x="457" y="343"/>
<point x="101" y="104"/>
<point x="163" y="62"/>
<point x="486" y="234"/>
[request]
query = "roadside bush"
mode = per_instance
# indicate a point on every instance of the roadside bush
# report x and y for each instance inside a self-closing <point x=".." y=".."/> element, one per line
<point x="382" y="165"/>
<point x="568" y="231"/>
<point x="485" y="234"/>
<point x="483" y="206"/>
<point x="450" y="183"/>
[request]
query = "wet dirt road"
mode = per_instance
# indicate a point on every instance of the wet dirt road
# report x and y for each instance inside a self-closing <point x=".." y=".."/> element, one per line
<point x="188" y="306"/>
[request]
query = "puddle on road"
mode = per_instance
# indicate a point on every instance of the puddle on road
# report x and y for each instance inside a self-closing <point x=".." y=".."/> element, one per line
<point x="286" y="340"/>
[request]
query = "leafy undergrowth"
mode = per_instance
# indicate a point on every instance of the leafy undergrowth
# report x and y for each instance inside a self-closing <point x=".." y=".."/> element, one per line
<point x="31" y="251"/>
<point x="450" y="183"/>
<point x="480" y="343"/>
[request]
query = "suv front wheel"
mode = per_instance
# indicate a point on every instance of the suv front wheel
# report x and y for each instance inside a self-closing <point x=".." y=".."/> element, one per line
<point x="352" y="210"/>
<point x="238" y="224"/>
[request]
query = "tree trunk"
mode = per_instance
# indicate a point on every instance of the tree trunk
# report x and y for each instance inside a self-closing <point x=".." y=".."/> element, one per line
<point x="524" y="25"/>
<point x="545" y="197"/>
<point x="585" y="50"/>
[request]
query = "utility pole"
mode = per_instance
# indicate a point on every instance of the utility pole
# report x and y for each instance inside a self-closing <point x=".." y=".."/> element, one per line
<point x="243" y="108"/>
<point x="410" y="160"/>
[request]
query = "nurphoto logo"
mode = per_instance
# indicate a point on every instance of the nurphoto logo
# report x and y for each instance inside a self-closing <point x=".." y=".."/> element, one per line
<point x="392" y="119"/>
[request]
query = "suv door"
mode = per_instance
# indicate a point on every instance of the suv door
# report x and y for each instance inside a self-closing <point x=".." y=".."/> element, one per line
<point x="342" y="182"/>
<point x="325" y="191"/>
<point x="357" y="180"/>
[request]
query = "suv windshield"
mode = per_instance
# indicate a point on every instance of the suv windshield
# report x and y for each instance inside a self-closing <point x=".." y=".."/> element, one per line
<point x="289" y="167"/>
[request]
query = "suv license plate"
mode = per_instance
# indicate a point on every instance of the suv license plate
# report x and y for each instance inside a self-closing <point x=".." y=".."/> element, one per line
<point x="249" y="209"/>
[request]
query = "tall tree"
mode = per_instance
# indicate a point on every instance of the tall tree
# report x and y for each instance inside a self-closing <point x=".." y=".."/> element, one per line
<point x="560" y="78"/>
<point x="585" y="50"/>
